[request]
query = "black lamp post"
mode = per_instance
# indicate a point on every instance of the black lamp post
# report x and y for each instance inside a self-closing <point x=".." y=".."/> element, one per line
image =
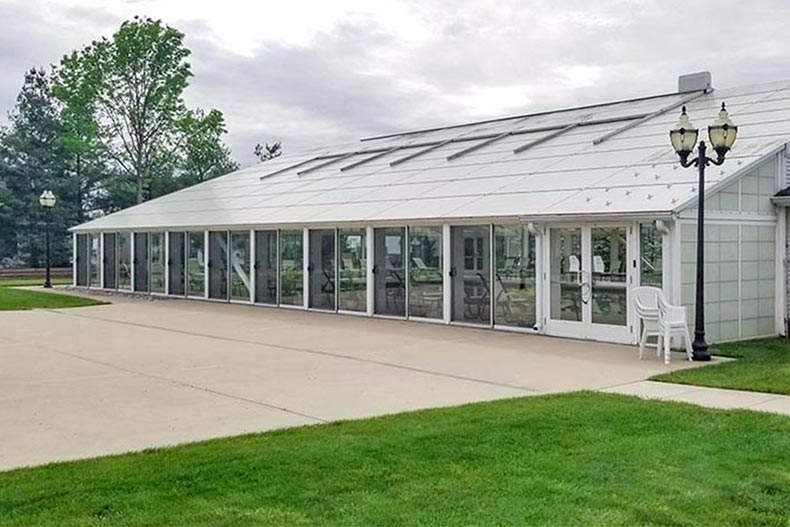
<point x="47" y="200"/>
<point x="722" y="134"/>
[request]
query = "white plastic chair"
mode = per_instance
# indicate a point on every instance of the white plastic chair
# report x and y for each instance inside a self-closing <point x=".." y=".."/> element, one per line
<point x="646" y="307"/>
<point x="598" y="265"/>
<point x="671" y="321"/>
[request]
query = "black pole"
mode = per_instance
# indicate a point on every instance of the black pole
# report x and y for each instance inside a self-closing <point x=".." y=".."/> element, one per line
<point x="48" y="281"/>
<point x="699" y="346"/>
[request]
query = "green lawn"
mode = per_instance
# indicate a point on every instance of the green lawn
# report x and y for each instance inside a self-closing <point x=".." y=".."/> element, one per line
<point x="572" y="459"/>
<point x="761" y="366"/>
<point x="12" y="299"/>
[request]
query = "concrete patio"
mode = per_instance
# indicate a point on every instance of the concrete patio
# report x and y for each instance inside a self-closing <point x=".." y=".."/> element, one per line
<point x="145" y="373"/>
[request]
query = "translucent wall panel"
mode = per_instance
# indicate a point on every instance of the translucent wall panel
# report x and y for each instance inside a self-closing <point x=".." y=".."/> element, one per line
<point x="740" y="267"/>
<point x="141" y="261"/>
<point x="218" y="265"/>
<point x="196" y="274"/>
<point x="390" y="271"/>
<point x="425" y="272"/>
<point x="609" y="281"/>
<point x="94" y="259"/>
<point x="565" y="273"/>
<point x="240" y="265"/>
<point x="110" y="259"/>
<point x="125" y="260"/>
<point x="322" y="269"/>
<point x="291" y="268"/>
<point x="650" y="248"/>
<point x="82" y="260"/>
<point x="471" y="273"/>
<point x="158" y="266"/>
<point x="514" y="279"/>
<point x="176" y="263"/>
<point x="266" y="267"/>
<point x="352" y="294"/>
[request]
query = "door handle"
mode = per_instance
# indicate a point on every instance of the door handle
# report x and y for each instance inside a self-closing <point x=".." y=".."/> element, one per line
<point x="452" y="272"/>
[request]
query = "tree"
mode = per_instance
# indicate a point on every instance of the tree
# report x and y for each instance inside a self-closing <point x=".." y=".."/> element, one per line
<point x="204" y="156"/>
<point x="133" y="86"/>
<point x="266" y="152"/>
<point x="123" y="101"/>
<point x="32" y="159"/>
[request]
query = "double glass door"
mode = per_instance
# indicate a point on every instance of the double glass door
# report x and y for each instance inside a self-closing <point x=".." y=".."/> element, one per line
<point x="589" y="282"/>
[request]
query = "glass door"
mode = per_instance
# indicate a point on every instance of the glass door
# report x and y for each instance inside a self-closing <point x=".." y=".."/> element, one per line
<point x="157" y="262"/>
<point x="266" y="267"/>
<point x="110" y="259"/>
<point x="589" y="279"/>
<point x="470" y="272"/>
<point x="218" y="265"/>
<point x="141" y="261"/>
<point x="389" y="271"/>
<point x="176" y="263"/>
<point x="322" y="269"/>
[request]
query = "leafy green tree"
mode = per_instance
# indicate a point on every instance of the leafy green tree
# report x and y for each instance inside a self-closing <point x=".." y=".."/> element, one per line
<point x="134" y="83"/>
<point x="124" y="97"/>
<point x="204" y="156"/>
<point x="33" y="159"/>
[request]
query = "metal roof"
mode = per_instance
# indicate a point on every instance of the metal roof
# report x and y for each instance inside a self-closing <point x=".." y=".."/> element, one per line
<point x="613" y="158"/>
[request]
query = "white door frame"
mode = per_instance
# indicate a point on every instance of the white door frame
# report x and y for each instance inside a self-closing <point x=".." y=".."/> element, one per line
<point x="586" y="329"/>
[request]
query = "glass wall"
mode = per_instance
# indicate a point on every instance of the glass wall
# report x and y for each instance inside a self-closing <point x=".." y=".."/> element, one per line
<point x="94" y="269"/>
<point x="425" y="272"/>
<point x="566" y="274"/>
<point x="650" y="243"/>
<point x="390" y="271"/>
<point x="218" y="265"/>
<point x="141" y="261"/>
<point x="82" y="259"/>
<point x="125" y="260"/>
<point x="353" y="278"/>
<point x="322" y="269"/>
<point x="157" y="262"/>
<point x="609" y="282"/>
<point x="514" y="268"/>
<point x="291" y="268"/>
<point x="110" y="259"/>
<point x="471" y="273"/>
<point x="175" y="263"/>
<point x="266" y="267"/>
<point x="240" y="265"/>
<point x="196" y="271"/>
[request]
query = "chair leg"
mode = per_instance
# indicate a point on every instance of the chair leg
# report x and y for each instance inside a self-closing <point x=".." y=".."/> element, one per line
<point x="659" y="343"/>
<point x="667" y="342"/>
<point x="689" y="353"/>
<point x="642" y="342"/>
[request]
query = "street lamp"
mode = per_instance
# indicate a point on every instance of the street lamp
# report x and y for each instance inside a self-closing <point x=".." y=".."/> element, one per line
<point x="47" y="200"/>
<point x="722" y="134"/>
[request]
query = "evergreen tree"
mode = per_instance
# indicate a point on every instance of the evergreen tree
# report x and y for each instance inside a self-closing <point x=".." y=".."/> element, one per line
<point x="32" y="159"/>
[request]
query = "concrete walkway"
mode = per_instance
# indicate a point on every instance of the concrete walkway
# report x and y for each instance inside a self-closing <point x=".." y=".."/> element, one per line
<point x="145" y="373"/>
<point x="708" y="397"/>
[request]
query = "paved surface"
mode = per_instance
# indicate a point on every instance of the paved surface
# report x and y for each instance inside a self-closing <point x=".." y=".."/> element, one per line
<point x="710" y="397"/>
<point x="139" y="373"/>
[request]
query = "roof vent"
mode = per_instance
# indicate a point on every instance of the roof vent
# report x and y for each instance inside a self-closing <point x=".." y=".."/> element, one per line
<point x="694" y="82"/>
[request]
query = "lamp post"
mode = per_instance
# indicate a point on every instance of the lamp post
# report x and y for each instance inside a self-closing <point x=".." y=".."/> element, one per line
<point x="47" y="200"/>
<point x="722" y="134"/>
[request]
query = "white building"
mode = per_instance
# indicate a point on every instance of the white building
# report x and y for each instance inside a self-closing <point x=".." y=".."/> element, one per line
<point x="538" y="223"/>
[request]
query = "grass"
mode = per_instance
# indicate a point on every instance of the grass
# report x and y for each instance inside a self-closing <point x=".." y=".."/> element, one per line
<point x="761" y="366"/>
<point x="571" y="459"/>
<point x="13" y="299"/>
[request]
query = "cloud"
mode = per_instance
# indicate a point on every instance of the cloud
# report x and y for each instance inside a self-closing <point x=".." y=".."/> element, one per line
<point x="313" y="73"/>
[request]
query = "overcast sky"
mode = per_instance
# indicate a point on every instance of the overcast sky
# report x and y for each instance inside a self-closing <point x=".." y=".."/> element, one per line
<point x="318" y="72"/>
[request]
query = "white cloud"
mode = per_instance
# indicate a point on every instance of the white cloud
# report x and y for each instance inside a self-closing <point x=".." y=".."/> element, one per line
<point x="311" y="72"/>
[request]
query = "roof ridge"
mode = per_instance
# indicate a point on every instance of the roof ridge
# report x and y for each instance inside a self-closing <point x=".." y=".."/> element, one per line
<point x="521" y="116"/>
